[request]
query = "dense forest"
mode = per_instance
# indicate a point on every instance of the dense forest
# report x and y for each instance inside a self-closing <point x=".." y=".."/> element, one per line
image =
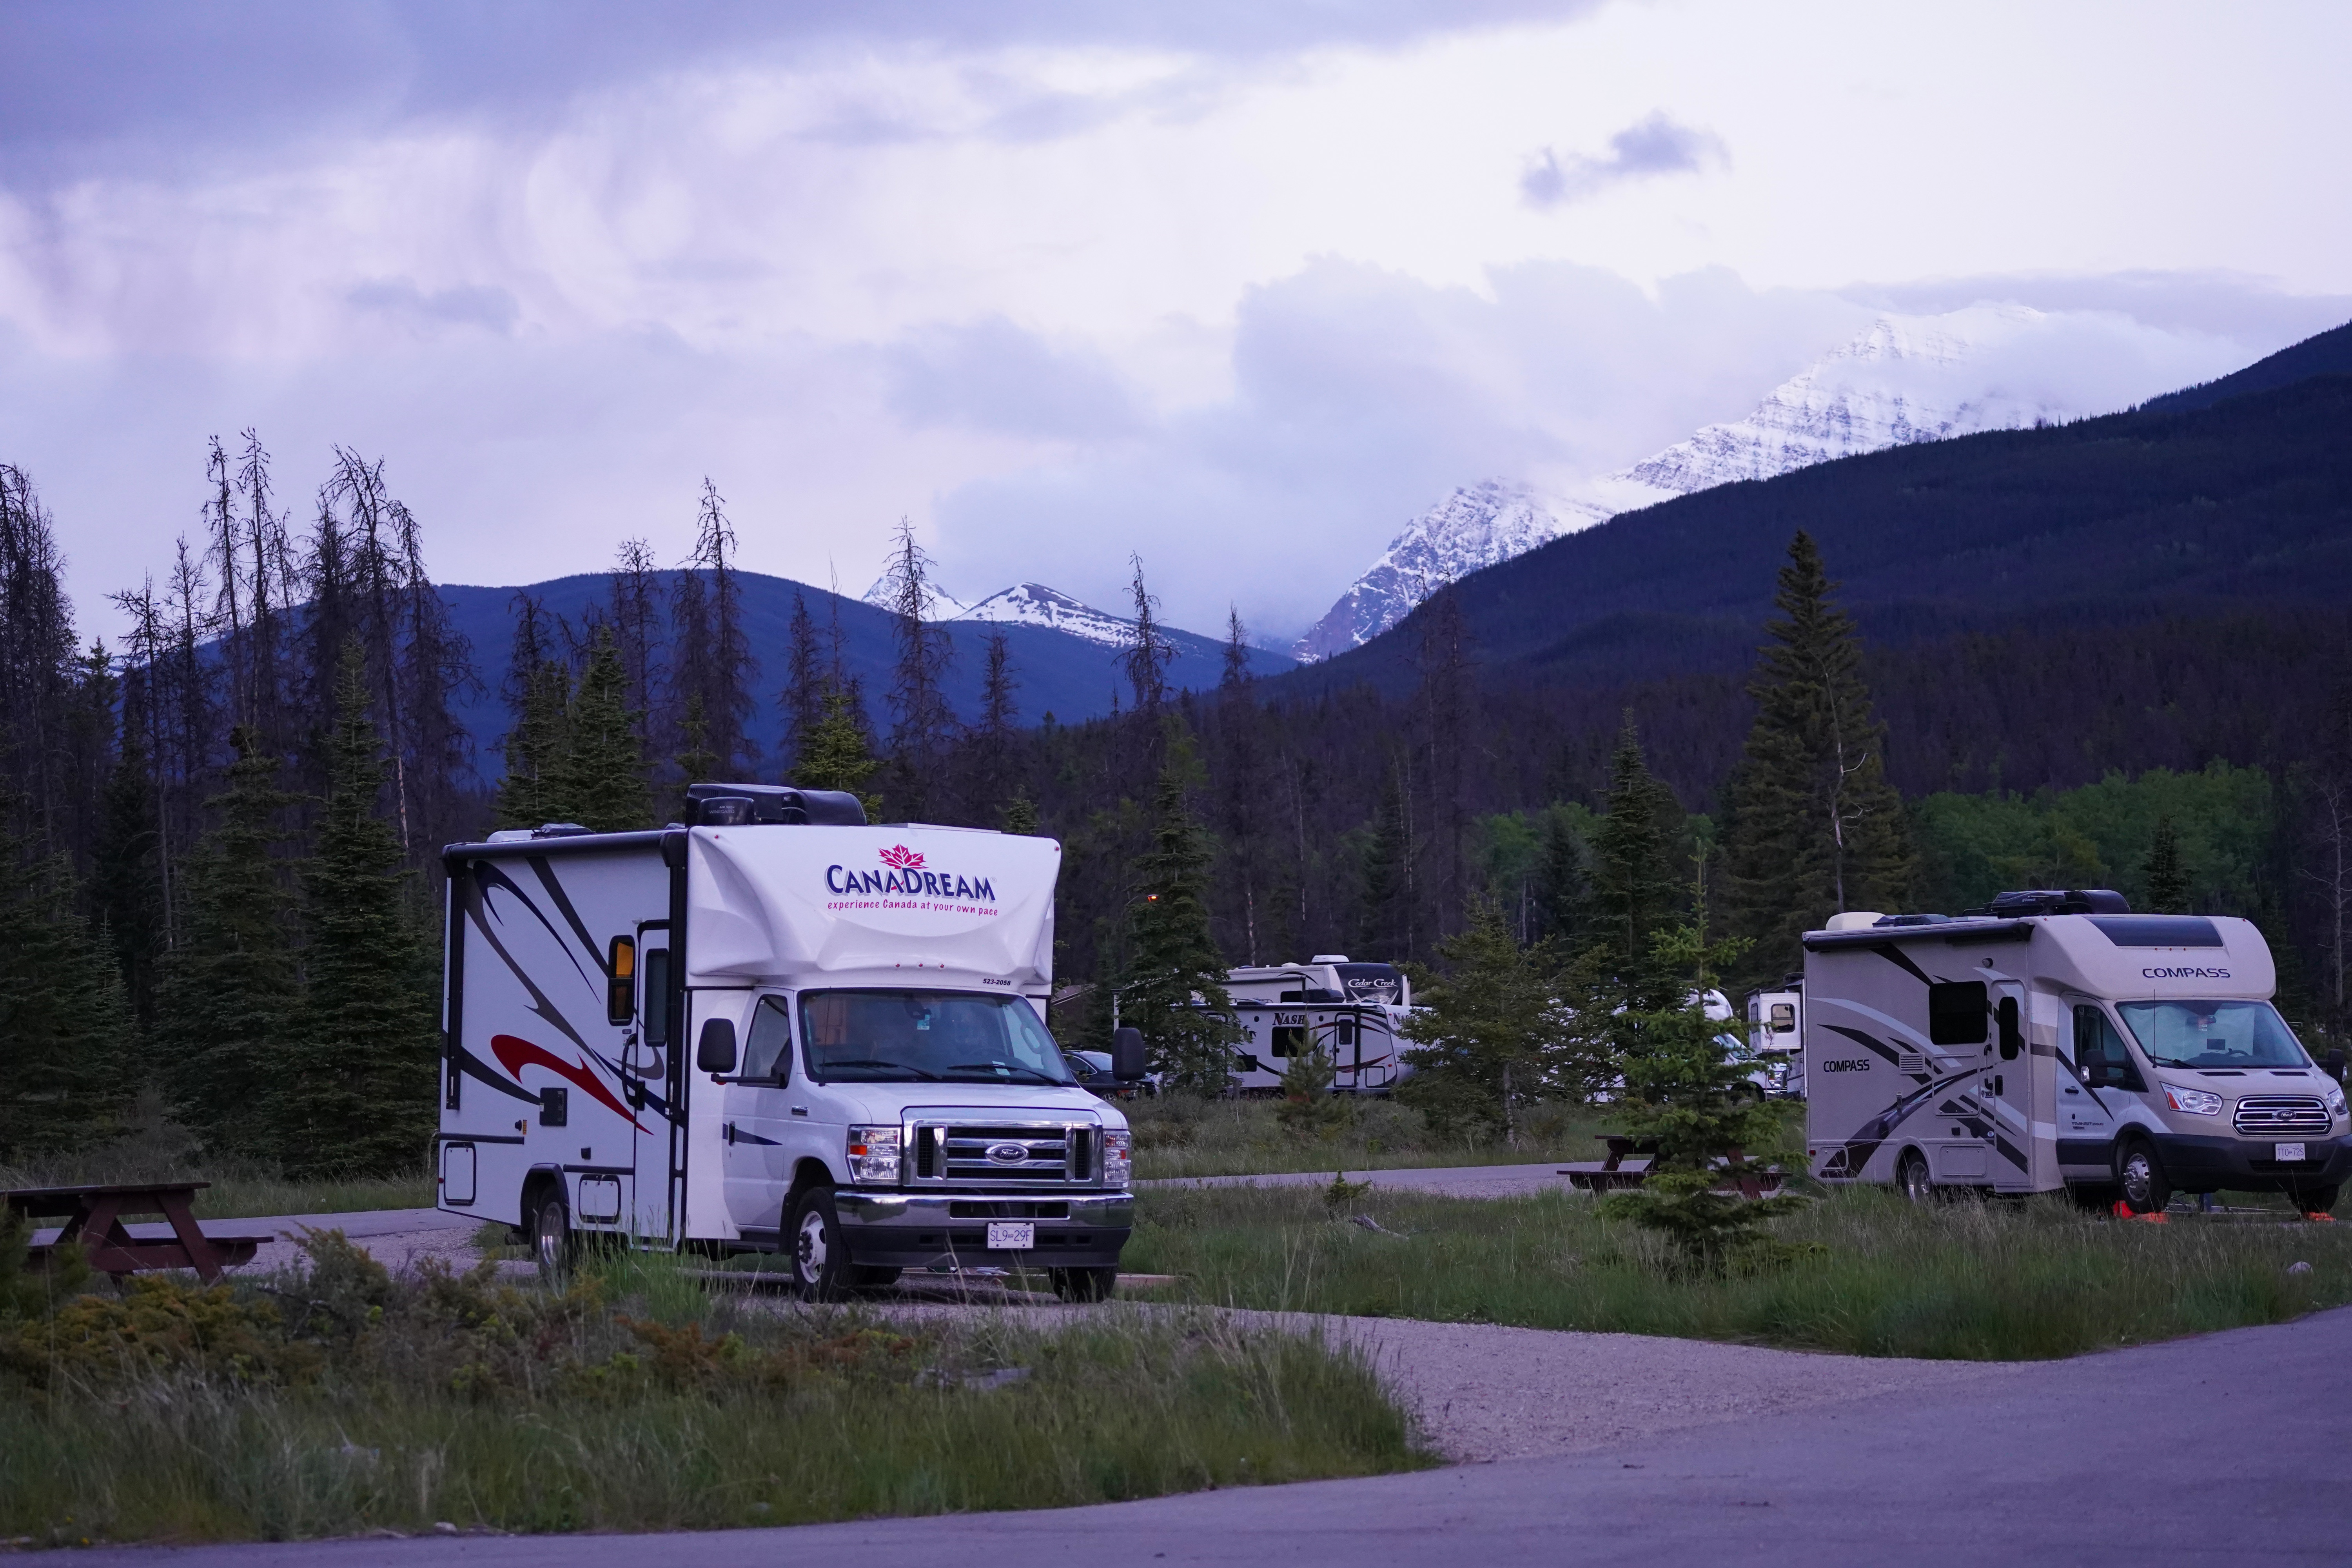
<point x="223" y="835"/>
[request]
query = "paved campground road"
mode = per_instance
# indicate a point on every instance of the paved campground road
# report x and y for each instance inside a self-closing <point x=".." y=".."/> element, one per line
<point x="2222" y="1449"/>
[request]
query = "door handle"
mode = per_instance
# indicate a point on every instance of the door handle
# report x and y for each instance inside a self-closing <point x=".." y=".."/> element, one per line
<point x="799" y="1110"/>
<point x="730" y="1133"/>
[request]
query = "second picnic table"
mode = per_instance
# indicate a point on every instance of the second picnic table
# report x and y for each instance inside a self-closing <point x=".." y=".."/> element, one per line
<point x="94" y="1216"/>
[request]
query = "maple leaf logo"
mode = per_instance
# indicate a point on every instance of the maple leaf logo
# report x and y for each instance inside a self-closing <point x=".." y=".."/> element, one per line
<point x="902" y="859"/>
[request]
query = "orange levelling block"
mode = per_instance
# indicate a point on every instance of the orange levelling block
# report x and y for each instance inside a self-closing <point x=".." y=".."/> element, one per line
<point x="2321" y="1218"/>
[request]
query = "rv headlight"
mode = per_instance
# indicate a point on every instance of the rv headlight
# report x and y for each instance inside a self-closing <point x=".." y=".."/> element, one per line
<point x="2194" y="1101"/>
<point x="2335" y="1102"/>
<point x="1118" y="1158"/>
<point x="874" y="1156"/>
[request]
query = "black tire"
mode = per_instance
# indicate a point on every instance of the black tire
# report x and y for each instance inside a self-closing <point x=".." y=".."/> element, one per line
<point x="547" y="1223"/>
<point x="1911" y="1176"/>
<point x="874" y="1279"/>
<point x="821" y="1266"/>
<point x="2140" y="1178"/>
<point x="2317" y="1199"/>
<point x="1083" y="1284"/>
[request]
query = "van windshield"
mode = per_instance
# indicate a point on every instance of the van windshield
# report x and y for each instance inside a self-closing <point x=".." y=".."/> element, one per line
<point x="2212" y="1033"/>
<point x="939" y="1037"/>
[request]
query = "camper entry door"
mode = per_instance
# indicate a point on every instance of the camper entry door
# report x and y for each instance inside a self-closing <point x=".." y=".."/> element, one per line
<point x="649" y="1070"/>
<point x="2008" y="1089"/>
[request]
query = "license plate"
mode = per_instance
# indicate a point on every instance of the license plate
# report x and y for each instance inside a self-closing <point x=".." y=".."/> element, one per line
<point x="2285" y="1152"/>
<point x="1019" y="1235"/>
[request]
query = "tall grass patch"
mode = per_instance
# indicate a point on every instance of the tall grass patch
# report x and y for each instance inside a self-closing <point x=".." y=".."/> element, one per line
<point x="1187" y="1135"/>
<point x="1870" y="1273"/>
<point x="336" y="1400"/>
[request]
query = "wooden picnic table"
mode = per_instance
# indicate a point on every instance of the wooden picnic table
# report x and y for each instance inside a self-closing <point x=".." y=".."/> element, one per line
<point x="1629" y="1162"/>
<point x="93" y="1217"/>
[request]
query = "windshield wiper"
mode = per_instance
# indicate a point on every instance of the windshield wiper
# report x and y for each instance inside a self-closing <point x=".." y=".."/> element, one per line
<point x="894" y="1066"/>
<point x="1008" y="1067"/>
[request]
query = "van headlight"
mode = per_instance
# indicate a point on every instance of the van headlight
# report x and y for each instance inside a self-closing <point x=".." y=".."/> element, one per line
<point x="2336" y="1103"/>
<point x="1118" y="1158"/>
<point x="874" y="1156"/>
<point x="2194" y="1101"/>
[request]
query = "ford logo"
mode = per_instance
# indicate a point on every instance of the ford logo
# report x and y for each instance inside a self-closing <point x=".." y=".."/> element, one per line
<point x="1008" y="1153"/>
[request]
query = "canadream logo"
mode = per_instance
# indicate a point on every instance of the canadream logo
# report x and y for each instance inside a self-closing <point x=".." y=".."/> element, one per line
<point x="905" y="875"/>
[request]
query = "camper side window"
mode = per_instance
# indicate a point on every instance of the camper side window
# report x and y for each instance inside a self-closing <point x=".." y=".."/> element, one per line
<point x="1955" y="1013"/>
<point x="655" y="969"/>
<point x="769" y="1058"/>
<point x="2100" y="1055"/>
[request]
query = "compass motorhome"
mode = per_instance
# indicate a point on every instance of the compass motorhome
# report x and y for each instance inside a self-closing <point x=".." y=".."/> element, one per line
<point x="774" y="1028"/>
<point x="2054" y="1039"/>
<point x="1353" y="1013"/>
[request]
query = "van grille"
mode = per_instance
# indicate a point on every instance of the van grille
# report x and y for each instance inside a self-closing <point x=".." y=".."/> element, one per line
<point x="2260" y="1113"/>
<point x="982" y="1153"/>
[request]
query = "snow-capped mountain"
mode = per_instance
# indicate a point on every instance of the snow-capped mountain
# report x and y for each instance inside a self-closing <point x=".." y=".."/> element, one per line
<point x="1035" y="604"/>
<point x="1907" y="378"/>
<point x="945" y="607"/>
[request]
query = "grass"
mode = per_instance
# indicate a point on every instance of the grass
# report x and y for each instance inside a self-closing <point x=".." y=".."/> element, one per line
<point x="159" y="1150"/>
<point x="1181" y="1135"/>
<point x="339" y="1401"/>
<point x="1966" y="1279"/>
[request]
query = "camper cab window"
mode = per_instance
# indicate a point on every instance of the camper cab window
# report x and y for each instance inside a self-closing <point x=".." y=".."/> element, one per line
<point x="2212" y="1034"/>
<point x="1784" y="1017"/>
<point x="768" y="1056"/>
<point x="930" y="1037"/>
<point x="2099" y="1052"/>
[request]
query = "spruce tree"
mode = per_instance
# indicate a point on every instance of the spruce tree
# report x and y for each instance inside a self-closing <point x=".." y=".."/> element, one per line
<point x="1173" y="957"/>
<point x="356" y="1093"/>
<point x="539" y="693"/>
<point x="1490" y="1034"/>
<point x="601" y="775"/>
<point x="230" y="991"/>
<point x="2167" y="879"/>
<point x="1637" y="886"/>
<point x="63" y="1014"/>
<point x="1019" y="814"/>
<point x="1813" y="827"/>
<point x="127" y="870"/>
<point x="835" y="755"/>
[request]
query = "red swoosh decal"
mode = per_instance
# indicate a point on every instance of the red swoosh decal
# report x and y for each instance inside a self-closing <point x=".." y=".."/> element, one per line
<point x="515" y="1054"/>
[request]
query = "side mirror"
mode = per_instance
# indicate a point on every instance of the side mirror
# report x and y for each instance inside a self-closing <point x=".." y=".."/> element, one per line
<point x="2012" y="1038"/>
<point x="2332" y="1064"/>
<point x="715" y="1054"/>
<point x="621" y="987"/>
<point x="1126" y="1054"/>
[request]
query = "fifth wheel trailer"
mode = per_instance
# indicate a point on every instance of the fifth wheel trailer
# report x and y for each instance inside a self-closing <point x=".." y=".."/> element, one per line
<point x="2056" y="1040"/>
<point x="773" y="1028"/>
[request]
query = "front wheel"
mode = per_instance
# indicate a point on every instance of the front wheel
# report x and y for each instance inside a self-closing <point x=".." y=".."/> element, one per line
<point x="1083" y="1284"/>
<point x="2141" y="1176"/>
<point x="2317" y="1199"/>
<point x="821" y="1265"/>
<point x="1911" y="1175"/>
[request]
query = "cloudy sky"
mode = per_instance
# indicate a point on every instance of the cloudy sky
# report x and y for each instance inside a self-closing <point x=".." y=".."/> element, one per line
<point x="1238" y="285"/>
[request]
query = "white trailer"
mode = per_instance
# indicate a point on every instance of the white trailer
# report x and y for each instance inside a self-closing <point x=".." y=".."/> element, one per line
<point x="2055" y="1040"/>
<point x="774" y="1028"/>
<point x="1776" y="1039"/>
<point x="1353" y="1013"/>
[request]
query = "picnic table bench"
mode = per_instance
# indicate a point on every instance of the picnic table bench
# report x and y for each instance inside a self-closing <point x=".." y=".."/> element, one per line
<point x="93" y="1217"/>
<point x="1629" y="1163"/>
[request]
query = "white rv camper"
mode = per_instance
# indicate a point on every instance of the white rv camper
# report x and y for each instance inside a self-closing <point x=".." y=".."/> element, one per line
<point x="773" y="1028"/>
<point x="1776" y="1039"/>
<point x="1352" y="1013"/>
<point x="2054" y="1039"/>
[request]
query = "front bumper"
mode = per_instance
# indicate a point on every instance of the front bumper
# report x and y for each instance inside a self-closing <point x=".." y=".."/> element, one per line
<point x="949" y="1230"/>
<point x="2202" y="1164"/>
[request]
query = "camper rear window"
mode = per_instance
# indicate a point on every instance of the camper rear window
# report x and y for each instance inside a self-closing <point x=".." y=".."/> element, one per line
<point x="928" y="1036"/>
<point x="1955" y="1013"/>
<point x="2158" y="931"/>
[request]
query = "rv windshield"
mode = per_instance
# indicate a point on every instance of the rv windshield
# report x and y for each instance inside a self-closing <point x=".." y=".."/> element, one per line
<point x="883" y="1036"/>
<point x="2212" y="1034"/>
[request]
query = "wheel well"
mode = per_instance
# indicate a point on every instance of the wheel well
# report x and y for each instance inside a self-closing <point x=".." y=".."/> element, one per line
<point x="808" y="1173"/>
<point x="536" y="1183"/>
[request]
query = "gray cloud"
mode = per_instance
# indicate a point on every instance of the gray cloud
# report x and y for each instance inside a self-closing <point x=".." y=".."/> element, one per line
<point x="1641" y="151"/>
<point x="147" y="82"/>
<point x="399" y="299"/>
<point x="991" y="375"/>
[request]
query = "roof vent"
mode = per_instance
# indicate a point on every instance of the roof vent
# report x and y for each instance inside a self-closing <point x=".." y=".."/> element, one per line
<point x="1855" y="920"/>
<point x="1913" y="920"/>
<point x="743" y="805"/>
<point x="1329" y="958"/>
<point x="560" y="830"/>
